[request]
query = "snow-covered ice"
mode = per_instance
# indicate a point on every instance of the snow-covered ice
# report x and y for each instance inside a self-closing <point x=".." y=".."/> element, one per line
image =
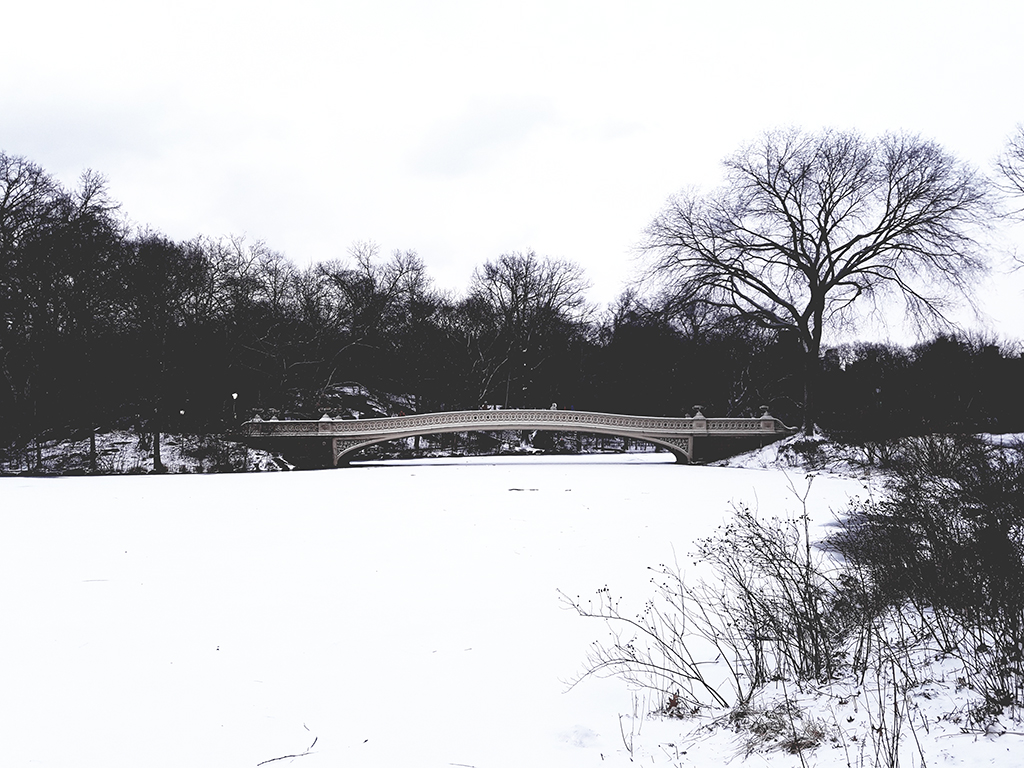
<point x="393" y="614"/>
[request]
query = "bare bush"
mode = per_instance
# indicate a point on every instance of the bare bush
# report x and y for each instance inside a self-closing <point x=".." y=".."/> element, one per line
<point x="765" y="616"/>
<point x="943" y="554"/>
<point x="654" y="650"/>
<point x="932" y="571"/>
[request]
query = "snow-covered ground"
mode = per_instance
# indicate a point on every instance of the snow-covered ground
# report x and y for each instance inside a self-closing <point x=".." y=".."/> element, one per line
<point x="124" y="452"/>
<point x="395" y="614"/>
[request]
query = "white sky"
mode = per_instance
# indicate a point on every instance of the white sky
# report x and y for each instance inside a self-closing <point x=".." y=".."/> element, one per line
<point x="463" y="130"/>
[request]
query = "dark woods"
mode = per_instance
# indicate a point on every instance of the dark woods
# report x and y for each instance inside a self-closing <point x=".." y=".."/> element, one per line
<point x="103" y="326"/>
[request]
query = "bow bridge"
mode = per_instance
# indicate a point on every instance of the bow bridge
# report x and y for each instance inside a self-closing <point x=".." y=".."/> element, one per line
<point x="687" y="438"/>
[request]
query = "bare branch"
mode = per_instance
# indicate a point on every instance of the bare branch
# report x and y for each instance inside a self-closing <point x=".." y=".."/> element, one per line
<point x="1010" y="164"/>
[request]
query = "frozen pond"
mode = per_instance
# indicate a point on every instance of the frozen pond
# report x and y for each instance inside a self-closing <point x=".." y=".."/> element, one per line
<point x="388" y="615"/>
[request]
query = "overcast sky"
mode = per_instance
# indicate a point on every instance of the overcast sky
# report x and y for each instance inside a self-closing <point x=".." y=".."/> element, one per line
<point x="463" y="130"/>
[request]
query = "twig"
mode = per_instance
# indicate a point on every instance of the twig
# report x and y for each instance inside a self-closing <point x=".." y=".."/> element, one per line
<point x="285" y="757"/>
<point x="978" y="732"/>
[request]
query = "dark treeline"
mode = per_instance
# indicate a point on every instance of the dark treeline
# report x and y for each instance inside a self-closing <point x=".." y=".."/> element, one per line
<point x="104" y="325"/>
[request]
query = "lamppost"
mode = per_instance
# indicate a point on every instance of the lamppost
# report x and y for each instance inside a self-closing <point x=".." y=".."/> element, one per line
<point x="234" y="399"/>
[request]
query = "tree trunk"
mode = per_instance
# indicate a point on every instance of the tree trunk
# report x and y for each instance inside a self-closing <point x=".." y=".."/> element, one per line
<point x="158" y="465"/>
<point x="812" y="368"/>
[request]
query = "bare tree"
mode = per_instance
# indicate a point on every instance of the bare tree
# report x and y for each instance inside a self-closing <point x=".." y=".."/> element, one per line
<point x="372" y="300"/>
<point x="1010" y="163"/>
<point x="808" y="225"/>
<point x="29" y="202"/>
<point x="520" y="302"/>
<point x="59" y="291"/>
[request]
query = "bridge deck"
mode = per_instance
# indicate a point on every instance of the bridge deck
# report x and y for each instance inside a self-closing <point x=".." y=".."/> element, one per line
<point x="676" y="434"/>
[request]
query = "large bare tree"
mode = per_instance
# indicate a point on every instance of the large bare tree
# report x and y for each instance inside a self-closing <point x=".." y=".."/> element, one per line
<point x="808" y="225"/>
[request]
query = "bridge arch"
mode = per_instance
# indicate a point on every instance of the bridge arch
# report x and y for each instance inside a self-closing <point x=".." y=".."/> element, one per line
<point x="344" y="447"/>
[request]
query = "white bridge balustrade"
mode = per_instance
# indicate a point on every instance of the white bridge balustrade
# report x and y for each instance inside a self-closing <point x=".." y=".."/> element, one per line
<point x="682" y="436"/>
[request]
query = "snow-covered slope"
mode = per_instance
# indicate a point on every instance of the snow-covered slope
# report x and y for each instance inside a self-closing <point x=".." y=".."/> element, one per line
<point x="126" y="452"/>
